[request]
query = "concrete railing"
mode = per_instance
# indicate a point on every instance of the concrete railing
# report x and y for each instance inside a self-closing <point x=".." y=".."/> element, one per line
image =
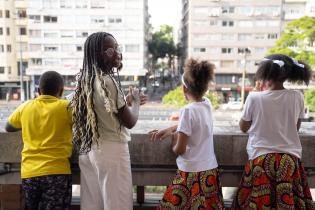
<point x="153" y="163"/>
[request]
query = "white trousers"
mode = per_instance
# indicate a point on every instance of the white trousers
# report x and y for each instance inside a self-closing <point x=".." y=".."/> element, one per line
<point x="106" y="182"/>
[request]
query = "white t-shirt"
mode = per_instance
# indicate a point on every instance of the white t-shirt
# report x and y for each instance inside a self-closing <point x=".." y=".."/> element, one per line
<point x="274" y="115"/>
<point x="109" y="127"/>
<point x="197" y="123"/>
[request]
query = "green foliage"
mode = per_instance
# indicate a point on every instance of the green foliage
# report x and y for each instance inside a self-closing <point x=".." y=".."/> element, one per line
<point x="297" y="40"/>
<point x="176" y="98"/>
<point x="162" y="44"/>
<point x="309" y="97"/>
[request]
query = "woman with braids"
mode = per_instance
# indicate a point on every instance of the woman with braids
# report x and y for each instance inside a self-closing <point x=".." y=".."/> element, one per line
<point x="274" y="176"/>
<point x="196" y="184"/>
<point x="101" y="116"/>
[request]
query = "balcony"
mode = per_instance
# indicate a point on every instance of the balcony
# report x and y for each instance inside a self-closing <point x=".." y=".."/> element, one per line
<point x="149" y="167"/>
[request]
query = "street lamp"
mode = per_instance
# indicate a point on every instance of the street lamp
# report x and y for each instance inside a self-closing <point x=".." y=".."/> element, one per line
<point x="21" y="70"/>
<point x="246" y="53"/>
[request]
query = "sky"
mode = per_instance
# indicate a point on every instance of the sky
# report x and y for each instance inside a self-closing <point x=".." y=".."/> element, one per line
<point x="164" y="12"/>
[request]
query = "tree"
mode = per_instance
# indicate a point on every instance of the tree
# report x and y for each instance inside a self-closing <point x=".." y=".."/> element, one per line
<point x="309" y="97"/>
<point x="297" y="40"/>
<point x="162" y="45"/>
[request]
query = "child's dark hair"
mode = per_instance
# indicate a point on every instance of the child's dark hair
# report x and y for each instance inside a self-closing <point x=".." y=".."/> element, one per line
<point x="197" y="75"/>
<point x="51" y="83"/>
<point x="291" y="70"/>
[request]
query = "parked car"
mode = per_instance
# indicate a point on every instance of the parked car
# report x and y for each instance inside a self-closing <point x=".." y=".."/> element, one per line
<point x="232" y="105"/>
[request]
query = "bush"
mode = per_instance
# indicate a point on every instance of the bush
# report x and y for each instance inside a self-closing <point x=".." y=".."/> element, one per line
<point x="309" y="97"/>
<point x="176" y="98"/>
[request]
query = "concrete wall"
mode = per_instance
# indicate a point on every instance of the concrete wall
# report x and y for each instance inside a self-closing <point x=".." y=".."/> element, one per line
<point x="153" y="163"/>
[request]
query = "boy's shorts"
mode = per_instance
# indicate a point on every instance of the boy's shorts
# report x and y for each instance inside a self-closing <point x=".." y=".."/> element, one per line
<point x="48" y="192"/>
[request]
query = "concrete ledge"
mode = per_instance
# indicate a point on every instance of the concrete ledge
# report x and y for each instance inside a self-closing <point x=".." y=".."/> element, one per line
<point x="153" y="163"/>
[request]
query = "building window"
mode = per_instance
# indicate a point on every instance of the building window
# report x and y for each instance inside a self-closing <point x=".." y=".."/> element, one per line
<point x="9" y="70"/>
<point x="244" y="37"/>
<point x="1" y="48"/>
<point x="8" y="31"/>
<point x="1" y="14"/>
<point x="22" y="31"/>
<point x="50" y="48"/>
<point x="36" y="61"/>
<point x="99" y="19"/>
<point x="1" y="69"/>
<point x="228" y="37"/>
<point x="272" y="36"/>
<point x="260" y="50"/>
<point x="114" y="20"/>
<point x="35" y="47"/>
<point x="21" y="13"/>
<point x="261" y="23"/>
<point x="201" y="23"/>
<point x="201" y="10"/>
<point x="200" y="37"/>
<point x="213" y="50"/>
<point x="7" y="13"/>
<point x="226" y="50"/>
<point x="50" y="19"/>
<point x="1" y="31"/>
<point x="35" y="33"/>
<point x="214" y="12"/>
<point x="227" y="23"/>
<point x="9" y="48"/>
<point x="34" y="18"/>
<point x="97" y="4"/>
<point x="65" y="3"/>
<point x="51" y="62"/>
<point x="132" y="48"/>
<point x="213" y="22"/>
<point x="227" y="64"/>
<point x="81" y="3"/>
<point x="228" y="10"/>
<point x="199" y="49"/>
<point x="245" y="23"/>
<point x="259" y="36"/>
<point x="79" y="48"/>
<point x="50" y="34"/>
<point x="67" y="48"/>
<point x="82" y="34"/>
<point x="242" y="50"/>
<point x="66" y="33"/>
<point x="273" y="23"/>
<point x="214" y="37"/>
<point x="24" y="66"/>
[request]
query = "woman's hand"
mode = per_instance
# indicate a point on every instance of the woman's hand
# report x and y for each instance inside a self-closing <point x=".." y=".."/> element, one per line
<point x="133" y="94"/>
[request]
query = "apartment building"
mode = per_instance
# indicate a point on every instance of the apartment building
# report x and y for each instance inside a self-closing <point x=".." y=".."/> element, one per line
<point x="51" y="35"/>
<point x="13" y="49"/>
<point x="234" y="35"/>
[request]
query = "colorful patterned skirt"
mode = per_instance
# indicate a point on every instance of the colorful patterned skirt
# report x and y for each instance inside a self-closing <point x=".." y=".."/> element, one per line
<point x="193" y="190"/>
<point x="274" y="181"/>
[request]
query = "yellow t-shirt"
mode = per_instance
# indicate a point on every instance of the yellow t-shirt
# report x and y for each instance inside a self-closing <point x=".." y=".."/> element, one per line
<point x="47" y="134"/>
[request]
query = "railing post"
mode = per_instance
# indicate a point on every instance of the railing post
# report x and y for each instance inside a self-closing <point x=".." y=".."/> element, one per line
<point x="140" y="194"/>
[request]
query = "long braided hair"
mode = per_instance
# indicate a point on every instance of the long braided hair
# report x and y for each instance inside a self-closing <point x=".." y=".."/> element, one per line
<point x="85" y="124"/>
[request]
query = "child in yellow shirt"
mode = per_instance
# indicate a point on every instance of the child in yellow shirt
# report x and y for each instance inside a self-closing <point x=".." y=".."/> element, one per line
<point x="46" y="131"/>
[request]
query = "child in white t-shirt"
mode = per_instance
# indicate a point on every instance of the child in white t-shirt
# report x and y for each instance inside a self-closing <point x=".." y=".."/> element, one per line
<point x="274" y="176"/>
<point x="196" y="184"/>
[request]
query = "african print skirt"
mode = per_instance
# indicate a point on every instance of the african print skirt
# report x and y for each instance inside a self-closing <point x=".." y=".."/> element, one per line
<point x="274" y="181"/>
<point x="193" y="190"/>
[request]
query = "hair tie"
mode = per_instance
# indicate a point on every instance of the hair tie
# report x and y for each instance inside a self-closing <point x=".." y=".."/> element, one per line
<point x="297" y="63"/>
<point x="279" y="62"/>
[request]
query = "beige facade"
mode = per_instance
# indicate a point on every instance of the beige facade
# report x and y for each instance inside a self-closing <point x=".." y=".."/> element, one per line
<point x="13" y="48"/>
<point x="223" y="32"/>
